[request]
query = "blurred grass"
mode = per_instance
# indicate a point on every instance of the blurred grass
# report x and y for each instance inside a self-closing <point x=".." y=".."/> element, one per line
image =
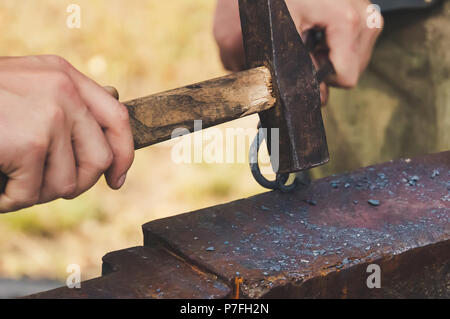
<point x="50" y="220"/>
<point x="140" y="47"/>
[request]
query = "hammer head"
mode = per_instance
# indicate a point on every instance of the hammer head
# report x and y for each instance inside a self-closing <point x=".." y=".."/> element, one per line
<point x="271" y="39"/>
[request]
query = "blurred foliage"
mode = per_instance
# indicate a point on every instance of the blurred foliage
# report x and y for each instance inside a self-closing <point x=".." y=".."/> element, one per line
<point x="50" y="220"/>
<point x="140" y="47"/>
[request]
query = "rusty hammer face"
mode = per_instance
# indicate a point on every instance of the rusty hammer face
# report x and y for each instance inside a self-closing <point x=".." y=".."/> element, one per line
<point x="271" y="39"/>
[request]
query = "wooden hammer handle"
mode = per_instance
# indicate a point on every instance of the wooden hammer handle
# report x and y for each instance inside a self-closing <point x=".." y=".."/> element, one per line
<point x="154" y="118"/>
<point x="314" y="41"/>
<point x="325" y="70"/>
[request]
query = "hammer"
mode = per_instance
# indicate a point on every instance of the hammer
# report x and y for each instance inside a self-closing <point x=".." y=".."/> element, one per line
<point x="281" y="84"/>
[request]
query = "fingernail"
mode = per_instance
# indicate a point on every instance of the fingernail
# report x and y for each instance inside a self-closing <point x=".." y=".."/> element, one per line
<point x="121" y="180"/>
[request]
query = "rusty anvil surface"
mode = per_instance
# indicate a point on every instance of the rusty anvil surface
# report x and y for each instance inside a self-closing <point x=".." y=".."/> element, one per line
<point x="314" y="243"/>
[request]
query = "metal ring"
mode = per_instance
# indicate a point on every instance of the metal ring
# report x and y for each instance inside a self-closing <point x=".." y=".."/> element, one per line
<point x="280" y="181"/>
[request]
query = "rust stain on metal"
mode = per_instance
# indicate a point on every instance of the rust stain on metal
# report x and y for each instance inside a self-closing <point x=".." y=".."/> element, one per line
<point x="237" y="282"/>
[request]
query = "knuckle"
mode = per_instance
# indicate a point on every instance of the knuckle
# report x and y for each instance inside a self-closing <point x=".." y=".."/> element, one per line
<point x="61" y="83"/>
<point x="67" y="191"/>
<point x="352" y="18"/>
<point x="58" y="61"/>
<point x="79" y="109"/>
<point x="74" y="194"/>
<point x="104" y="160"/>
<point x="36" y="147"/>
<point x="122" y="114"/>
<point x="56" y="115"/>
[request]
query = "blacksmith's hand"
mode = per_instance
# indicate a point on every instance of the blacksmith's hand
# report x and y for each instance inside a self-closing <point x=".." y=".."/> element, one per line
<point x="349" y="38"/>
<point x="59" y="132"/>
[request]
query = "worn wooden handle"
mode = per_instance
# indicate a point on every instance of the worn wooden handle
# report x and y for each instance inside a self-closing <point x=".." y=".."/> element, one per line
<point x="154" y="118"/>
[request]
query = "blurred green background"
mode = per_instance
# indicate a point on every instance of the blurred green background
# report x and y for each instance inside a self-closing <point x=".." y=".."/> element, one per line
<point x="140" y="47"/>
